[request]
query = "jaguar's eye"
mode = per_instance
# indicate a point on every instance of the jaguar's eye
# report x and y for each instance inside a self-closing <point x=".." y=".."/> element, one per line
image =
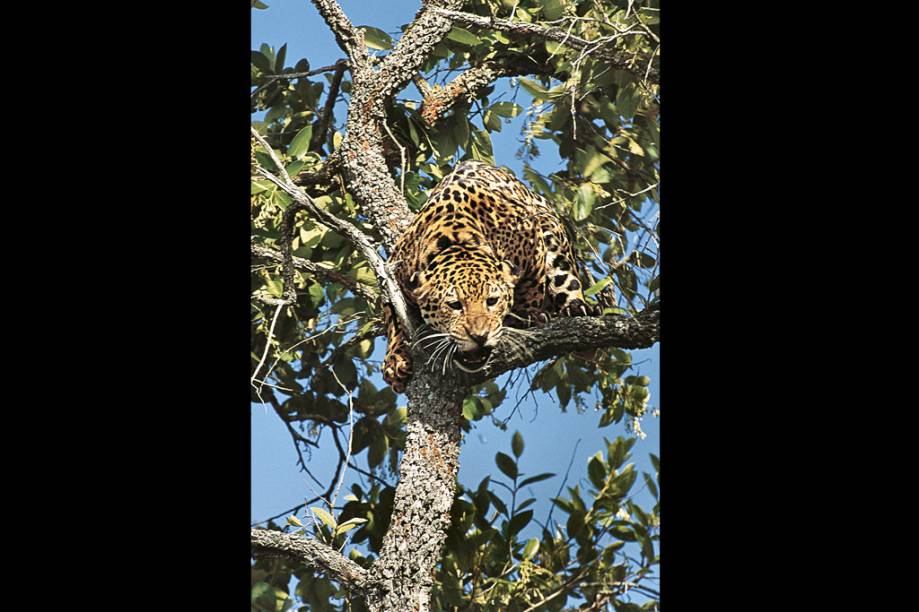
<point x="491" y="301"/>
<point x="455" y="305"/>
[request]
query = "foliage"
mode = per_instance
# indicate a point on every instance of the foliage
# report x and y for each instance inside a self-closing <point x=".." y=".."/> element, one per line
<point x="323" y="357"/>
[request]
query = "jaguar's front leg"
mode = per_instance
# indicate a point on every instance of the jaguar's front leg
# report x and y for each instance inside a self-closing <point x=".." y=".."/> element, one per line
<point x="529" y="304"/>
<point x="397" y="365"/>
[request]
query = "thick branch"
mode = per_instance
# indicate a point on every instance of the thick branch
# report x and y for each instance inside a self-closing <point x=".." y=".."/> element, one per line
<point x="566" y="335"/>
<point x="438" y="100"/>
<point x="311" y="554"/>
<point x="424" y="33"/>
<point x="369" y="178"/>
<point x="349" y="38"/>
<point x="603" y="48"/>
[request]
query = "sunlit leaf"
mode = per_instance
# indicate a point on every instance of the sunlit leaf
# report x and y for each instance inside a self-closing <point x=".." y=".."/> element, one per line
<point x="376" y="38"/>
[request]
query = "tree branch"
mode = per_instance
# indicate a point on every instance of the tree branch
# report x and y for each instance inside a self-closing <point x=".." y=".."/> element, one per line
<point x="331" y="164"/>
<point x="360" y="240"/>
<point x="356" y="287"/>
<point x="349" y="38"/>
<point x="322" y="125"/>
<point x="369" y="179"/>
<point x="439" y="100"/>
<point x="602" y="48"/>
<point x="569" y="334"/>
<point x="271" y="78"/>
<point x="424" y="33"/>
<point x="311" y="554"/>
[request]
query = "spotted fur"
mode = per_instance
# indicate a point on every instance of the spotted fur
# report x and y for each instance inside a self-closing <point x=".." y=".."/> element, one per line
<point x="485" y="252"/>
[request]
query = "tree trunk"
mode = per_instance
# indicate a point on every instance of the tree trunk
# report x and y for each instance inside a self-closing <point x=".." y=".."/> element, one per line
<point x="402" y="577"/>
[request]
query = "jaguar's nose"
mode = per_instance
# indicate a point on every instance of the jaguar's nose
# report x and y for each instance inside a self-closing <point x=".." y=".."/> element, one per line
<point x="478" y="339"/>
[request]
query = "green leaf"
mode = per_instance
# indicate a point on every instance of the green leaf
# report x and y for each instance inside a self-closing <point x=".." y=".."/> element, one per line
<point x="461" y="130"/>
<point x="464" y="37"/>
<point x="501" y="507"/>
<point x="469" y="409"/>
<point x="480" y="147"/>
<point x="526" y="503"/>
<point x="583" y="202"/>
<point x="315" y="293"/>
<point x="506" y="465"/>
<point x="537" y="478"/>
<point x="553" y="47"/>
<point x="575" y="524"/>
<point x="258" y="186"/>
<point x="635" y="148"/>
<point x="258" y="4"/>
<point x="595" y="162"/>
<point x="261" y="62"/>
<point x="531" y="548"/>
<point x="517" y="444"/>
<point x="553" y="9"/>
<point x="506" y="109"/>
<point x="325" y="517"/>
<point x="301" y="142"/>
<point x="519" y="522"/>
<point x="275" y="287"/>
<point x="377" y="451"/>
<point x="279" y="62"/>
<point x="491" y="121"/>
<point x="294" y="168"/>
<point x="262" y="591"/>
<point x="376" y="38"/>
<point x="293" y="520"/>
<point x="627" y="100"/>
<point x="598" y="286"/>
<point x="534" y="89"/>
<point x="596" y="471"/>
<point x="623" y="533"/>
<point x="349" y="525"/>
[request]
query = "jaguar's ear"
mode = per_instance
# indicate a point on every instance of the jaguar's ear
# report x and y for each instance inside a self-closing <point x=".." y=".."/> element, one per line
<point x="510" y="272"/>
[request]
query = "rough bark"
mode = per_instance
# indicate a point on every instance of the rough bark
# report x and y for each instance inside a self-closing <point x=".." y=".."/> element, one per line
<point x="403" y="574"/>
<point x="572" y="334"/>
<point x="366" y="171"/>
<point x="310" y="553"/>
<point x="440" y="99"/>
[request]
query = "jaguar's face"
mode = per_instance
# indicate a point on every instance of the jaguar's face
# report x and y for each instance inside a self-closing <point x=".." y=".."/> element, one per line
<point x="466" y="299"/>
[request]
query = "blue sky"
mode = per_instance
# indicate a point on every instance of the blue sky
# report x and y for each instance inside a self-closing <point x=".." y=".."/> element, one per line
<point x="550" y="434"/>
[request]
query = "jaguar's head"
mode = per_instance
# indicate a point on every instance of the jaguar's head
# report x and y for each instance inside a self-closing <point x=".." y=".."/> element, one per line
<point x="464" y="294"/>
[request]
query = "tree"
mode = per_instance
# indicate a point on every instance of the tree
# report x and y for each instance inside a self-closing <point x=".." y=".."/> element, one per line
<point x="328" y="204"/>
